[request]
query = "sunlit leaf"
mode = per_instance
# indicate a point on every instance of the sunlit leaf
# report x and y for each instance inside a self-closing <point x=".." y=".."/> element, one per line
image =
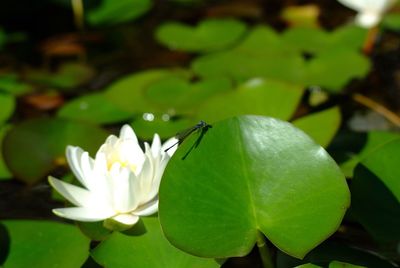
<point x="258" y="97"/>
<point x="150" y="249"/>
<point x="249" y="174"/>
<point x="321" y="126"/>
<point x="112" y="12"/>
<point x="209" y="35"/>
<point x="39" y="244"/>
<point x="95" y="108"/>
<point x="35" y="147"/>
<point x="302" y="16"/>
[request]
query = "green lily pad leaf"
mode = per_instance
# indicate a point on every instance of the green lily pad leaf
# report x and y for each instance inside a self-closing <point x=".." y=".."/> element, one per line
<point x="70" y="75"/>
<point x="327" y="70"/>
<point x="391" y="22"/>
<point x="7" y="104"/>
<point x="150" y="249"/>
<point x="308" y="40"/>
<point x="209" y="35"/>
<point x="375" y="140"/>
<point x="261" y="54"/>
<point x="94" y="230"/>
<point x="4" y="172"/>
<point x="375" y="206"/>
<point x="258" y="97"/>
<point x="113" y="12"/>
<point x="40" y="244"/>
<point x="223" y="187"/>
<point x="94" y="108"/>
<point x="9" y="83"/>
<point x="178" y="95"/>
<point x="349" y="36"/>
<point x="383" y="162"/>
<point x="329" y="252"/>
<point x="34" y="148"/>
<point x="321" y="126"/>
<point x="128" y="93"/>
<point x="166" y="127"/>
<point x="308" y="265"/>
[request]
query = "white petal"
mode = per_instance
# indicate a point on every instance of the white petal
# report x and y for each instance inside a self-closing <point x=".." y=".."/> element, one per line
<point x="74" y="155"/>
<point x="74" y="194"/>
<point x="148" y="209"/>
<point x="171" y="142"/>
<point x="127" y="133"/>
<point x="127" y="219"/>
<point x="87" y="166"/>
<point x="84" y="214"/>
<point x="156" y="146"/>
<point x="120" y="188"/>
<point x="368" y="19"/>
<point x="157" y="176"/>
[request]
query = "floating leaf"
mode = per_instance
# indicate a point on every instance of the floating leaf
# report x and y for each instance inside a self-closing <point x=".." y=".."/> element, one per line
<point x="9" y="83"/>
<point x="306" y="40"/>
<point x="7" y="104"/>
<point x="40" y="244"/>
<point x="4" y="172"/>
<point x="113" y="12"/>
<point x="247" y="175"/>
<point x="162" y="124"/>
<point x="257" y="96"/>
<point x="321" y="126"/>
<point x="150" y="249"/>
<point x="209" y="35"/>
<point x="374" y="205"/>
<point x="327" y="70"/>
<point x="95" y="108"/>
<point x="69" y="75"/>
<point x="128" y="92"/>
<point x="35" y="147"/>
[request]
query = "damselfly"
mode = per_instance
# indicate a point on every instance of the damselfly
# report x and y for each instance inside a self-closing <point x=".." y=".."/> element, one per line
<point x="181" y="136"/>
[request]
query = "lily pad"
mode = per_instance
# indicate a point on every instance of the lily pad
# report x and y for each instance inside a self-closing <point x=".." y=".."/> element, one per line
<point x="321" y="126"/>
<point x="247" y="175"/>
<point x="95" y="108"/>
<point x="40" y="244"/>
<point x="113" y="12"/>
<point x="209" y="35"/>
<point x="4" y="172"/>
<point x="35" y="147"/>
<point x="128" y="93"/>
<point x="10" y="83"/>
<point x="7" y="104"/>
<point x="150" y="249"/>
<point x="258" y="97"/>
<point x="68" y="76"/>
<point x="375" y="206"/>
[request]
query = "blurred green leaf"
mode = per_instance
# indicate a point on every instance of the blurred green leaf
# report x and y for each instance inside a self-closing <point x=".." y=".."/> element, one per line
<point x="208" y="35"/>
<point x="249" y="174"/>
<point x="150" y="123"/>
<point x="9" y="83"/>
<point x="256" y="96"/>
<point x="306" y="40"/>
<point x="301" y="16"/>
<point x="94" y="108"/>
<point x="329" y="71"/>
<point x="150" y="249"/>
<point x="4" y="172"/>
<point x="7" y="104"/>
<point x="375" y="206"/>
<point x="35" y="147"/>
<point x="349" y="36"/>
<point x="39" y="244"/>
<point x="338" y="264"/>
<point x="68" y="76"/>
<point x="321" y="126"/>
<point x="391" y="22"/>
<point x="308" y="265"/>
<point x="128" y="93"/>
<point x="113" y="12"/>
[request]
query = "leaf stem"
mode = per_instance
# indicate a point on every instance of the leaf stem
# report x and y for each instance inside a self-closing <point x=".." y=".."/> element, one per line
<point x="264" y="251"/>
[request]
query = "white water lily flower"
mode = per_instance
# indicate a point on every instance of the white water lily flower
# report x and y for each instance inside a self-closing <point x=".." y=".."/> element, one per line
<point x="370" y="12"/>
<point x="121" y="183"/>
